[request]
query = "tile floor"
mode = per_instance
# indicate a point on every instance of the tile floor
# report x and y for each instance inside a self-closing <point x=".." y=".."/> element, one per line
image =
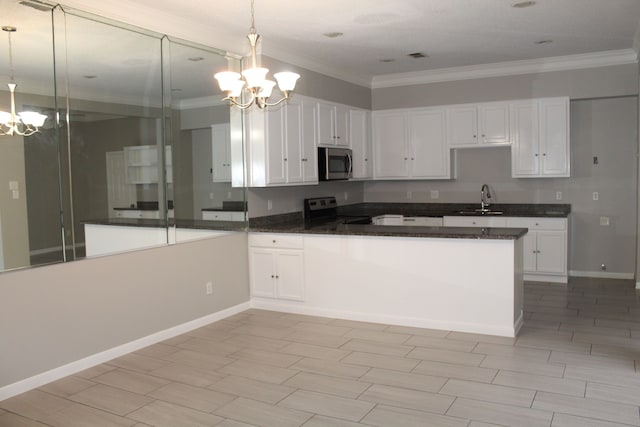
<point x="575" y="363"/>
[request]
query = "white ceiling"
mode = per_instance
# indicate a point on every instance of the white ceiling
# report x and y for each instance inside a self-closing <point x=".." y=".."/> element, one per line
<point x="454" y="33"/>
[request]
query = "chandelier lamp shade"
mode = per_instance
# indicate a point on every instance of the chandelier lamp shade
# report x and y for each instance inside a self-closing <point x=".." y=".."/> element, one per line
<point x="253" y="81"/>
<point x="25" y="123"/>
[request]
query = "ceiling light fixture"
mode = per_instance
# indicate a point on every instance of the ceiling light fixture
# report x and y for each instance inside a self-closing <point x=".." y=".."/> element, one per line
<point x="258" y="88"/>
<point x="25" y="123"/>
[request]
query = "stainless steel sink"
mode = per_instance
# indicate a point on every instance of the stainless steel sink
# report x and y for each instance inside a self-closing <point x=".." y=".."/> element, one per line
<point x="485" y="212"/>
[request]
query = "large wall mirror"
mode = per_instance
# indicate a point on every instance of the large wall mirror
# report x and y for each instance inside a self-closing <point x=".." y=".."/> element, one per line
<point x="136" y="139"/>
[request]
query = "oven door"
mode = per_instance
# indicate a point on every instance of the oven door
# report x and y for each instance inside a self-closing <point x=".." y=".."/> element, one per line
<point x="334" y="163"/>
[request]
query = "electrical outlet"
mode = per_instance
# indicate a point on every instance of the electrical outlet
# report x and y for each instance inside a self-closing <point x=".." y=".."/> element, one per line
<point x="269" y="205"/>
<point x="604" y="220"/>
<point x="409" y="195"/>
<point x="210" y="196"/>
<point x="209" y="288"/>
<point x="435" y="194"/>
<point x="596" y="196"/>
<point x="558" y="195"/>
<point x="15" y="194"/>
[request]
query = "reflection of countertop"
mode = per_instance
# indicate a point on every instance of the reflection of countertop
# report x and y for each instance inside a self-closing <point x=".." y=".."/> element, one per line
<point x="180" y="223"/>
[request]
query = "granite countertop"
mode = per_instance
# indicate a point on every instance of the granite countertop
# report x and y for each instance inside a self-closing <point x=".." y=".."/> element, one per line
<point x="179" y="223"/>
<point x="455" y="209"/>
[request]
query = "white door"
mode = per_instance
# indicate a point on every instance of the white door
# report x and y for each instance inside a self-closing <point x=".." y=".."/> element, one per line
<point x="262" y="272"/>
<point x="525" y="158"/>
<point x="430" y="155"/>
<point x="220" y="148"/>
<point x="276" y="173"/>
<point x="551" y="252"/>
<point x="360" y="143"/>
<point x="554" y="136"/>
<point x="290" y="275"/>
<point x="462" y="125"/>
<point x="293" y="137"/>
<point x="389" y="145"/>
<point x="120" y="194"/>
<point x="494" y="123"/>
<point x="309" y="142"/>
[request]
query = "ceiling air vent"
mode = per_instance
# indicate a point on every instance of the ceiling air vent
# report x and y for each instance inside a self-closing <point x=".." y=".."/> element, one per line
<point x="418" y="55"/>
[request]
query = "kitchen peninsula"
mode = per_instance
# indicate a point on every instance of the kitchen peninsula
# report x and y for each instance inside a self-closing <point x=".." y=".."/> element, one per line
<point x="455" y="278"/>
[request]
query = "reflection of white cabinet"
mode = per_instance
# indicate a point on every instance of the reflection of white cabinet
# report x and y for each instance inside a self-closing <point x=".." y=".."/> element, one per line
<point x="359" y="123"/>
<point x="221" y="153"/>
<point x="476" y="124"/>
<point x="410" y="144"/>
<point x="223" y="215"/>
<point x="276" y="266"/>
<point x="541" y="138"/>
<point x="333" y="124"/>
<point x="142" y="165"/>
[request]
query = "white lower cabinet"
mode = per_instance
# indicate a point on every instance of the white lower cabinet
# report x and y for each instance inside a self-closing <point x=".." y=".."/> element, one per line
<point x="223" y="215"/>
<point x="474" y="221"/>
<point x="276" y="266"/>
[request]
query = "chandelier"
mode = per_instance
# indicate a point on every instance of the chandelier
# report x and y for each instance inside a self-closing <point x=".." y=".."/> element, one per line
<point x="253" y="80"/>
<point x="24" y="123"/>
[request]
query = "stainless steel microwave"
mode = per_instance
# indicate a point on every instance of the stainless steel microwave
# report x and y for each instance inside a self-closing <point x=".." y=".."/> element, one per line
<point x="334" y="163"/>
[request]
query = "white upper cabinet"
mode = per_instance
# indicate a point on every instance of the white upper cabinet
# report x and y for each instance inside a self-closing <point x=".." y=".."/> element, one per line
<point x="333" y="124"/>
<point x="410" y="144"/>
<point x="221" y="153"/>
<point x="359" y="136"/>
<point x="541" y="138"/>
<point x="477" y="124"/>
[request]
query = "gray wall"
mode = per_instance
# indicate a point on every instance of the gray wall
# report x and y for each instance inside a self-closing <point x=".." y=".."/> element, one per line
<point x="63" y="313"/>
<point x="606" y="128"/>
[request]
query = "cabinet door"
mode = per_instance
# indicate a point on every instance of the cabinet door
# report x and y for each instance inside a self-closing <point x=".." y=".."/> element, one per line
<point x="290" y="275"/>
<point x="293" y="138"/>
<point x="275" y="145"/>
<point x="525" y="159"/>
<point x="530" y="253"/>
<point x="309" y="142"/>
<point x="462" y="125"/>
<point x="262" y="273"/>
<point x="341" y="125"/>
<point x="360" y="143"/>
<point x="429" y="153"/>
<point x="220" y="148"/>
<point x="552" y="253"/>
<point x="389" y="145"/>
<point x="494" y="123"/>
<point x="554" y="136"/>
<point x="326" y="113"/>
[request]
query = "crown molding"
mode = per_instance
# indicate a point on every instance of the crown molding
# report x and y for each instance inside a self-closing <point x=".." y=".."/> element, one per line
<point x="529" y="66"/>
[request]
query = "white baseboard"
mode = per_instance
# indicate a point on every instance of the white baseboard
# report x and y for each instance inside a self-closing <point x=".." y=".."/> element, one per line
<point x="545" y="278"/>
<point x="390" y="320"/>
<point x="104" y="356"/>
<point x="602" y="274"/>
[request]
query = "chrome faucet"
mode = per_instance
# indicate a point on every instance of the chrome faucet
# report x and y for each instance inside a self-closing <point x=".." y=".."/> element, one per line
<point x="485" y="198"/>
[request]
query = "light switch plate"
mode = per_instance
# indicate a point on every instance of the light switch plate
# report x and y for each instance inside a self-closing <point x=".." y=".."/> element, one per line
<point x="558" y="195"/>
<point x="435" y="194"/>
<point x="596" y="196"/>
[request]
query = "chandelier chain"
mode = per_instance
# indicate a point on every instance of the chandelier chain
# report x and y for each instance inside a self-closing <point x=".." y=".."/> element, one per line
<point x="252" y="30"/>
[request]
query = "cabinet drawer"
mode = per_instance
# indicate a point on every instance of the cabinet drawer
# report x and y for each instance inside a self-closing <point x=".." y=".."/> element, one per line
<point x="273" y="240"/>
<point x="538" y="223"/>
<point x="422" y="221"/>
<point x="474" y="221"/>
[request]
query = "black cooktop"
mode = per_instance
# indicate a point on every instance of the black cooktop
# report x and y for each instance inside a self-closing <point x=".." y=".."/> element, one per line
<point x="323" y="212"/>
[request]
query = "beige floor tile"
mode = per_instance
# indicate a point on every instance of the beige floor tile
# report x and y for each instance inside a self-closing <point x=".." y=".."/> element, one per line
<point x="78" y="415"/>
<point x="614" y="393"/>
<point x="510" y="350"/>
<point x="333" y="341"/>
<point x="204" y="345"/>
<point x="7" y="419"/>
<point x="589" y="360"/>
<point x="441" y="343"/>
<point x="211" y="334"/>
<point x="110" y="399"/>
<point x="409" y="330"/>
<point x="551" y="344"/>
<point x="250" y="341"/>
<point x="358" y="325"/>
<point x="404" y="379"/>
<point x="381" y="336"/>
<point x="324" y="404"/>
<point x="263" y="331"/>
<point x="386" y="349"/>
<point x="480" y="338"/>
<point x="614" y="352"/>
<point x="322" y="421"/>
<point x="627" y="324"/>
<point x="588" y="408"/>
<point x="448" y="356"/>
<point x="627" y="378"/>
<point x="192" y="397"/>
<point x="67" y="386"/>
<point x="131" y="381"/>
<point x="232" y="423"/>
<point x="489" y="392"/>
<point x="262" y="414"/>
<point x="163" y="414"/>
<point x="158" y="350"/>
<point x="324" y="329"/>
<point x="481" y="424"/>
<point x="314" y="351"/>
<point x="198" y="360"/>
<point x="95" y="371"/>
<point x="514" y="363"/>
<point x="137" y="362"/>
<point x="252" y="389"/>
<point x="410" y="399"/>
<point x="35" y="404"/>
<point x="174" y="341"/>
<point x="331" y="368"/>
<point x="385" y="416"/>
<point x="564" y="420"/>
<point x="304" y="318"/>
<point x="564" y="320"/>
<point x="589" y="329"/>
<point x="187" y="374"/>
<point x="259" y="372"/>
<point x="380" y="361"/>
<point x="541" y="383"/>
<point x="266" y="357"/>
<point x="330" y="385"/>
<point x="608" y="340"/>
<point x="506" y="415"/>
<point x="471" y="373"/>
